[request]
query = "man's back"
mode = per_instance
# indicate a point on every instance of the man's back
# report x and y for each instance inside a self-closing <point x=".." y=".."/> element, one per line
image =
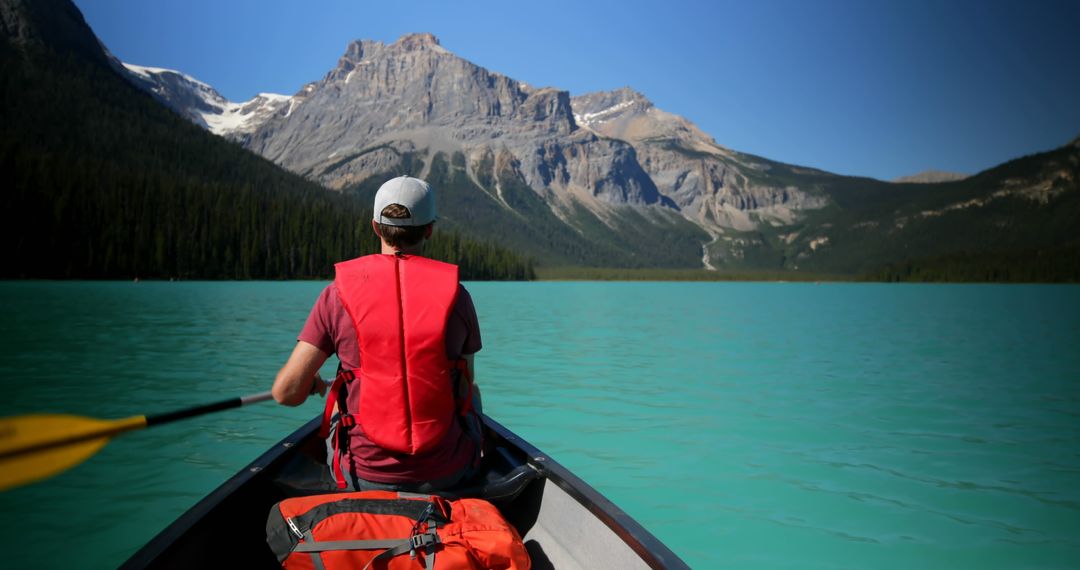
<point x="384" y="313"/>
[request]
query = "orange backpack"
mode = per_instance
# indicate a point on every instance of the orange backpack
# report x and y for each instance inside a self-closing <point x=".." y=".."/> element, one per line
<point x="391" y="530"/>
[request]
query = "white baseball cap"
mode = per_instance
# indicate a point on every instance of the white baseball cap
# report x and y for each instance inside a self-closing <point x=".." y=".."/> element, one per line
<point x="415" y="194"/>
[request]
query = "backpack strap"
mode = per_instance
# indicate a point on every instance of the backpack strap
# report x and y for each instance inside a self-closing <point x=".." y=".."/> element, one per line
<point x="316" y="560"/>
<point x="394" y="546"/>
<point x="427" y="541"/>
<point x="417" y="540"/>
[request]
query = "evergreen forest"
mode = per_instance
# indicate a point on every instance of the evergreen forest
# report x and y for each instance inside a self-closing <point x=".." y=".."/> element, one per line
<point x="106" y="183"/>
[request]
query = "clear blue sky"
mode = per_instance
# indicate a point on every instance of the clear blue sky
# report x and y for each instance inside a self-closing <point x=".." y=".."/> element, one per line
<point x="875" y="87"/>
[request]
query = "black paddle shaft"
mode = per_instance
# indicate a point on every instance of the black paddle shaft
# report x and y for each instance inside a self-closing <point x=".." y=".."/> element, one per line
<point x="167" y="417"/>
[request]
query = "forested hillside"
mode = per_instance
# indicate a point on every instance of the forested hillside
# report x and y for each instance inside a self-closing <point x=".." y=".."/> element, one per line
<point x="104" y="182"/>
<point x="1013" y="222"/>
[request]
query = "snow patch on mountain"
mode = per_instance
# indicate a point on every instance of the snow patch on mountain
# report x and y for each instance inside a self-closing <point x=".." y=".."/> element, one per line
<point x="589" y="119"/>
<point x="150" y="73"/>
<point x="246" y="117"/>
<point x="203" y="105"/>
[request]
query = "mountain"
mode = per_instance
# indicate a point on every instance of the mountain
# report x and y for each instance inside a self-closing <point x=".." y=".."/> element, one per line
<point x="713" y="186"/>
<point x="202" y="104"/>
<point x="609" y="179"/>
<point x="511" y="162"/>
<point x="103" y="181"/>
<point x="930" y="176"/>
<point x="54" y="24"/>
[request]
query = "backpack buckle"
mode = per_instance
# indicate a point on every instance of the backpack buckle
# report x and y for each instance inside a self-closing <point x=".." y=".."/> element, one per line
<point x="426" y="541"/>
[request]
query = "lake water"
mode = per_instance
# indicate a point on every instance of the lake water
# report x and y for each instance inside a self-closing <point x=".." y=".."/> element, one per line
<point x="747" y="425"/>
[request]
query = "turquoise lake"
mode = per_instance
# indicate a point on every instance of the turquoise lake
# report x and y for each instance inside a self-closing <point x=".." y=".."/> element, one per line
<point x="747" y="425"/>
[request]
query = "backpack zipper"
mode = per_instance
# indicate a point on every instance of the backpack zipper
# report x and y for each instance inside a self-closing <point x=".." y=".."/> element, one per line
<point x="294" y="528"/>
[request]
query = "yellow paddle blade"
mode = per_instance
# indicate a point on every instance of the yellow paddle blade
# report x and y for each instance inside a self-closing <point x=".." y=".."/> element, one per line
<point x="38" y="446"/>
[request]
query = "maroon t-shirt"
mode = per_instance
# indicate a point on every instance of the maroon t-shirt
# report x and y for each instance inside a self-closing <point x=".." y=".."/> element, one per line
<point x="330" y="328"/>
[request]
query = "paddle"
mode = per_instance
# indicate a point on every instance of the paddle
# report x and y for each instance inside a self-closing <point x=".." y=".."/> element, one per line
<point x="34" y="447"/>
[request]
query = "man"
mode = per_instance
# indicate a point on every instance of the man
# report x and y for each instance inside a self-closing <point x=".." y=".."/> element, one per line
<point x="399" y="414"/>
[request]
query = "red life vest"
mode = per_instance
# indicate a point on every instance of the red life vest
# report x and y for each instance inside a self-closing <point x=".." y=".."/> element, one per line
<point x="399" y="305"/>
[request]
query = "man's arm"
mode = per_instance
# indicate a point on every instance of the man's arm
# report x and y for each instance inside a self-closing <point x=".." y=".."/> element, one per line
<point x="299" y="377"/>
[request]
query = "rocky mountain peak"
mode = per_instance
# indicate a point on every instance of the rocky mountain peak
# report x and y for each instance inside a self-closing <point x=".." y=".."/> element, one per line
<point x="628" y="115"/>
<point x="419" y="51"/>
<point x="607" y="105"/>
<point x="354" y="52"/>
<point x="417" y="41"/>
<point x="626" y="95"/>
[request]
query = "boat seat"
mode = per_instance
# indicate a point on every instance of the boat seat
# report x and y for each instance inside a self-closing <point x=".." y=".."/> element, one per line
<point x="496" y="486"/>
<point x="502" y="475"/>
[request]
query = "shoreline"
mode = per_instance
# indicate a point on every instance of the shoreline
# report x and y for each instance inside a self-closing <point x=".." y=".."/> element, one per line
<point x="598" y="274"/>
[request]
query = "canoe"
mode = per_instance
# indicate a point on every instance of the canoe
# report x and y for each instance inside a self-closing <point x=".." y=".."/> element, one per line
<point x="564" y="522"/>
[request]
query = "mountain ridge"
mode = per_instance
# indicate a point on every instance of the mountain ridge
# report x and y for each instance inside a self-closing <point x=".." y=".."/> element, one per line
<point x="584" y="162"/>
<point x="931" y="176"/>
<point x="385" y="105"/>
<point x="609" y="179"/>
